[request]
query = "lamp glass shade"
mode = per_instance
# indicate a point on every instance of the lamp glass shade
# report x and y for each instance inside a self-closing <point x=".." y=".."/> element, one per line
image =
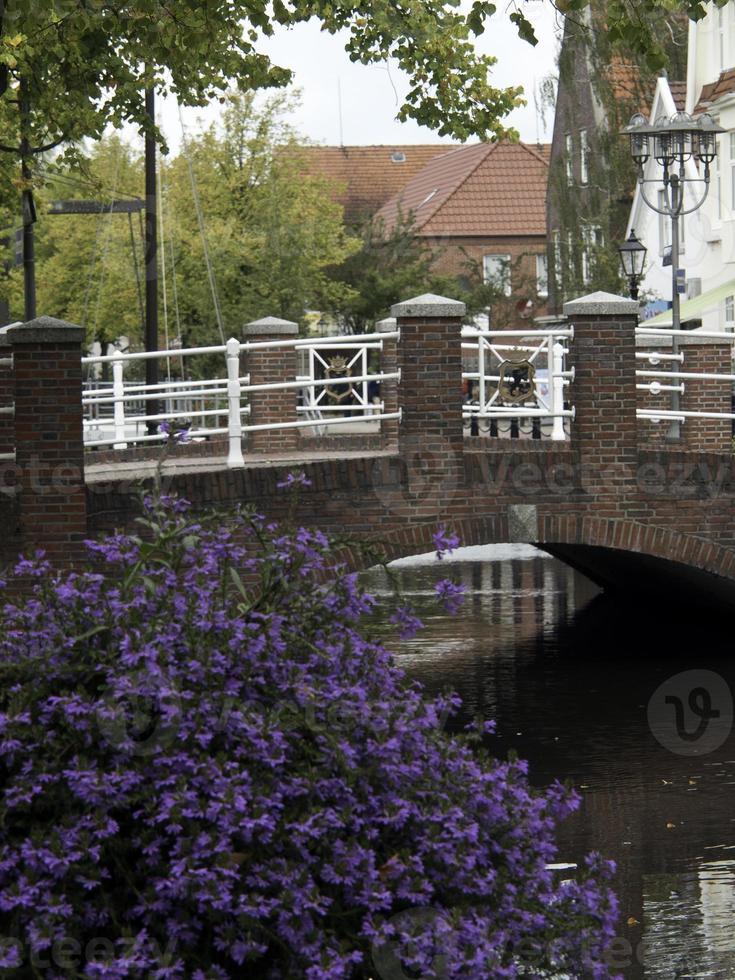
<point x="633" y="257"/>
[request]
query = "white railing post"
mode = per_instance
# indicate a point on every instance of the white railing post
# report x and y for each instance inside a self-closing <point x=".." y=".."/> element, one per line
<point x="557" y="392"/>
<point x="118" y="393"/>
<point x="234" y="457"/>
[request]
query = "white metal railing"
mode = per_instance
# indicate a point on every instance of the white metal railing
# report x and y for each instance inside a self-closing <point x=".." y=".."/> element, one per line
<point x="337" y="389"/>
<point x="655" y="381"/>
<point x="497" y="351"/>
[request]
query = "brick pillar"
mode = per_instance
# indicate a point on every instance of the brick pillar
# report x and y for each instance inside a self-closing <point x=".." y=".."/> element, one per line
<point x="268" y="366"/>
<point x="7" y="424"/>
<point x="706" y="356"/>
<point x="604" y="394"/>
<point x="49" y="437"/>
<point x="389" y="389"/>
<point x="430" y="439"/>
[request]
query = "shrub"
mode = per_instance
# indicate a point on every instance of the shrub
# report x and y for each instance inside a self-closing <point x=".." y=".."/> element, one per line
<point x="209" y="771"/>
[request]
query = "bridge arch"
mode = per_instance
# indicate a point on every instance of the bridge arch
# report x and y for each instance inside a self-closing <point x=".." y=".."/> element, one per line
<point x="616" y="553"/>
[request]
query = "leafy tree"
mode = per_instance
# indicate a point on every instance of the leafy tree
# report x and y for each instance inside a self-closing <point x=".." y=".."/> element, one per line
<point x="389" y="266"/>
<point x="87" y="263"/>
<point x="272" y="231"/>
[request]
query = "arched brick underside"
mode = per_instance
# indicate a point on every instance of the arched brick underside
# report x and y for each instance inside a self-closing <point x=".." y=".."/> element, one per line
<point x="615" y="553"/>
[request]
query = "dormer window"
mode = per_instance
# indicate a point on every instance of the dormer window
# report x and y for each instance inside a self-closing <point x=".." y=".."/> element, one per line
<point x="398" y="157"/>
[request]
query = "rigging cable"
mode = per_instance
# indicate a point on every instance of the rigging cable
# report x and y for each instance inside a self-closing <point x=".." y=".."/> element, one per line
<point x="106" y="248"/>
<point x="202" y="229"/>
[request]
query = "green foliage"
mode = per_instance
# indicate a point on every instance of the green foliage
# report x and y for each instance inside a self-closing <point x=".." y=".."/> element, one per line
<point x="390" y="266"/>
<point x="271" y="232"/>
<point x="86" y="263"/>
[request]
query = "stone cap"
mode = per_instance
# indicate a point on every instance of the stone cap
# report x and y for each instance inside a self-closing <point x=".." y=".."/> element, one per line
<point x="429" y="305"/>
<point x="684" y="338"/>
<point x="602" y="304"/>
<point x="4" y="339"/>
<point x="270" y="326"/>
<point x="388" y="325"/>
<point x="45" y="330"/>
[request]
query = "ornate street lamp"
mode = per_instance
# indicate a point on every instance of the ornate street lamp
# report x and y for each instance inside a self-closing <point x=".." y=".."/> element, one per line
<point x="633" y="259"/>
<point x="672" y="141"/>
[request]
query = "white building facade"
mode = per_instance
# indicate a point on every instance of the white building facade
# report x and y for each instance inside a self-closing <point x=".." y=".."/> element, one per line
<point x="708" y="234"/>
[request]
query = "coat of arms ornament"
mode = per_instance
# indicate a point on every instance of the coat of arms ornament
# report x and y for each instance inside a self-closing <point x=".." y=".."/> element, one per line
<point x="517" y="383"/>
<point x="338" y="367"/>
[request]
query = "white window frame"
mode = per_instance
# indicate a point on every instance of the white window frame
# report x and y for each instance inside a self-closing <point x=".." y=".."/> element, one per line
<point x="584" y="151"/>
<point x="542" y="274"/>
<point x="730" y="312"/>
<point x="592" y="237"/>
<point x="732" y="172"/>
<point x="502" y="279"/>
<point x="569" y="158"/>
<point x="556" y="246"/>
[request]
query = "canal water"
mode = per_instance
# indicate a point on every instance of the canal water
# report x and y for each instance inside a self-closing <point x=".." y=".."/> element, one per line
<point x="631" y="703"/>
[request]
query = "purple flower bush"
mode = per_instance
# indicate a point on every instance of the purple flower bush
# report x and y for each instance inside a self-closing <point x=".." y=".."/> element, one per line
<point x="210" y="771"/>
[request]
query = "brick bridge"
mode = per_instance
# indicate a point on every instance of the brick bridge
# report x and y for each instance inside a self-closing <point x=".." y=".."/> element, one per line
<point x="616" y="500"/>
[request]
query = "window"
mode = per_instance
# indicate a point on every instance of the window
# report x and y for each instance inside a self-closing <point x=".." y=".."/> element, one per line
<point x="722" y="37"/>
<point x="730" y="312"/>
<point x="569" y="145"/>
<point x="732" y="171"/>
<point x="571" y="258"/>
<point x="717" y="187"/>
<point x="496" y="272"/>
<point x="592" y="239"/>
<point x="584" y="151"/>
<point x="556" y="247"/>
<point x="542" y="275"/>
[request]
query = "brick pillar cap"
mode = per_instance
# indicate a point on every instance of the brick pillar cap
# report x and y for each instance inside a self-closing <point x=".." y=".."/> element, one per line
<point x="46" y="330"/>
<point x="4" y="339"/>
<point x="427" y="306"/>
<point x="271" y="326"/>
<point x="388" y="325"/>
<point x="602" y="304"/>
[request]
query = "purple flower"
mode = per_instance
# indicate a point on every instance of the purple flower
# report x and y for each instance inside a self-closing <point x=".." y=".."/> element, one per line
<point x="164" y="429"/>
<point x="294" y="480"/>
<point x="450" y="595"/>
<point x="444" y="542"/>
<point x="209" y="765"/>
<point x="407" y="622"/>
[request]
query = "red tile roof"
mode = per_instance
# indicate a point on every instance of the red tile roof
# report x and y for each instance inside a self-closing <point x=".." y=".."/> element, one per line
<point x="483" y="189"/>
<point x="365" y="177"/>
<point x="627" y="86"/>
<point x="714" y="90"/>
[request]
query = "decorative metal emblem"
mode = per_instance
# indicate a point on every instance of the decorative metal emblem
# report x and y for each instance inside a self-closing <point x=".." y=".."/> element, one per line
<point x="517" y="382"/>
<point x="337" y="367"/>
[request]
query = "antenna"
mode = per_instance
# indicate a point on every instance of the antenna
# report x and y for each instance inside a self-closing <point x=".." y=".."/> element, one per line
<point x="339" y="109"/>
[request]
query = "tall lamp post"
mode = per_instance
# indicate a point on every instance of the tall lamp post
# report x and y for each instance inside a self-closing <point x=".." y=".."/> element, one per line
<point x="633" y="259"/>
<point x="673" y="141"/>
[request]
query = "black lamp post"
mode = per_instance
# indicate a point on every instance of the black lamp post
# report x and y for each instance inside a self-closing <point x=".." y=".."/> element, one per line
<point x="633" y="258"/>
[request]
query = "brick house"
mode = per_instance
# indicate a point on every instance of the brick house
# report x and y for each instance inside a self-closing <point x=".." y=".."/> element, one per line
<point x="365" y="177"/>
<point x="482" y="210"/>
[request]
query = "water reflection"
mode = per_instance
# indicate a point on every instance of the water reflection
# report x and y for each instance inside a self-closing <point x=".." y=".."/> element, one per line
<point x="567" y="674"/>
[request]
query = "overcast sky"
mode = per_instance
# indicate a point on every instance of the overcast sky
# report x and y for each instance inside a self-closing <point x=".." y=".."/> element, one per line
<point x="371" y="95"/>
